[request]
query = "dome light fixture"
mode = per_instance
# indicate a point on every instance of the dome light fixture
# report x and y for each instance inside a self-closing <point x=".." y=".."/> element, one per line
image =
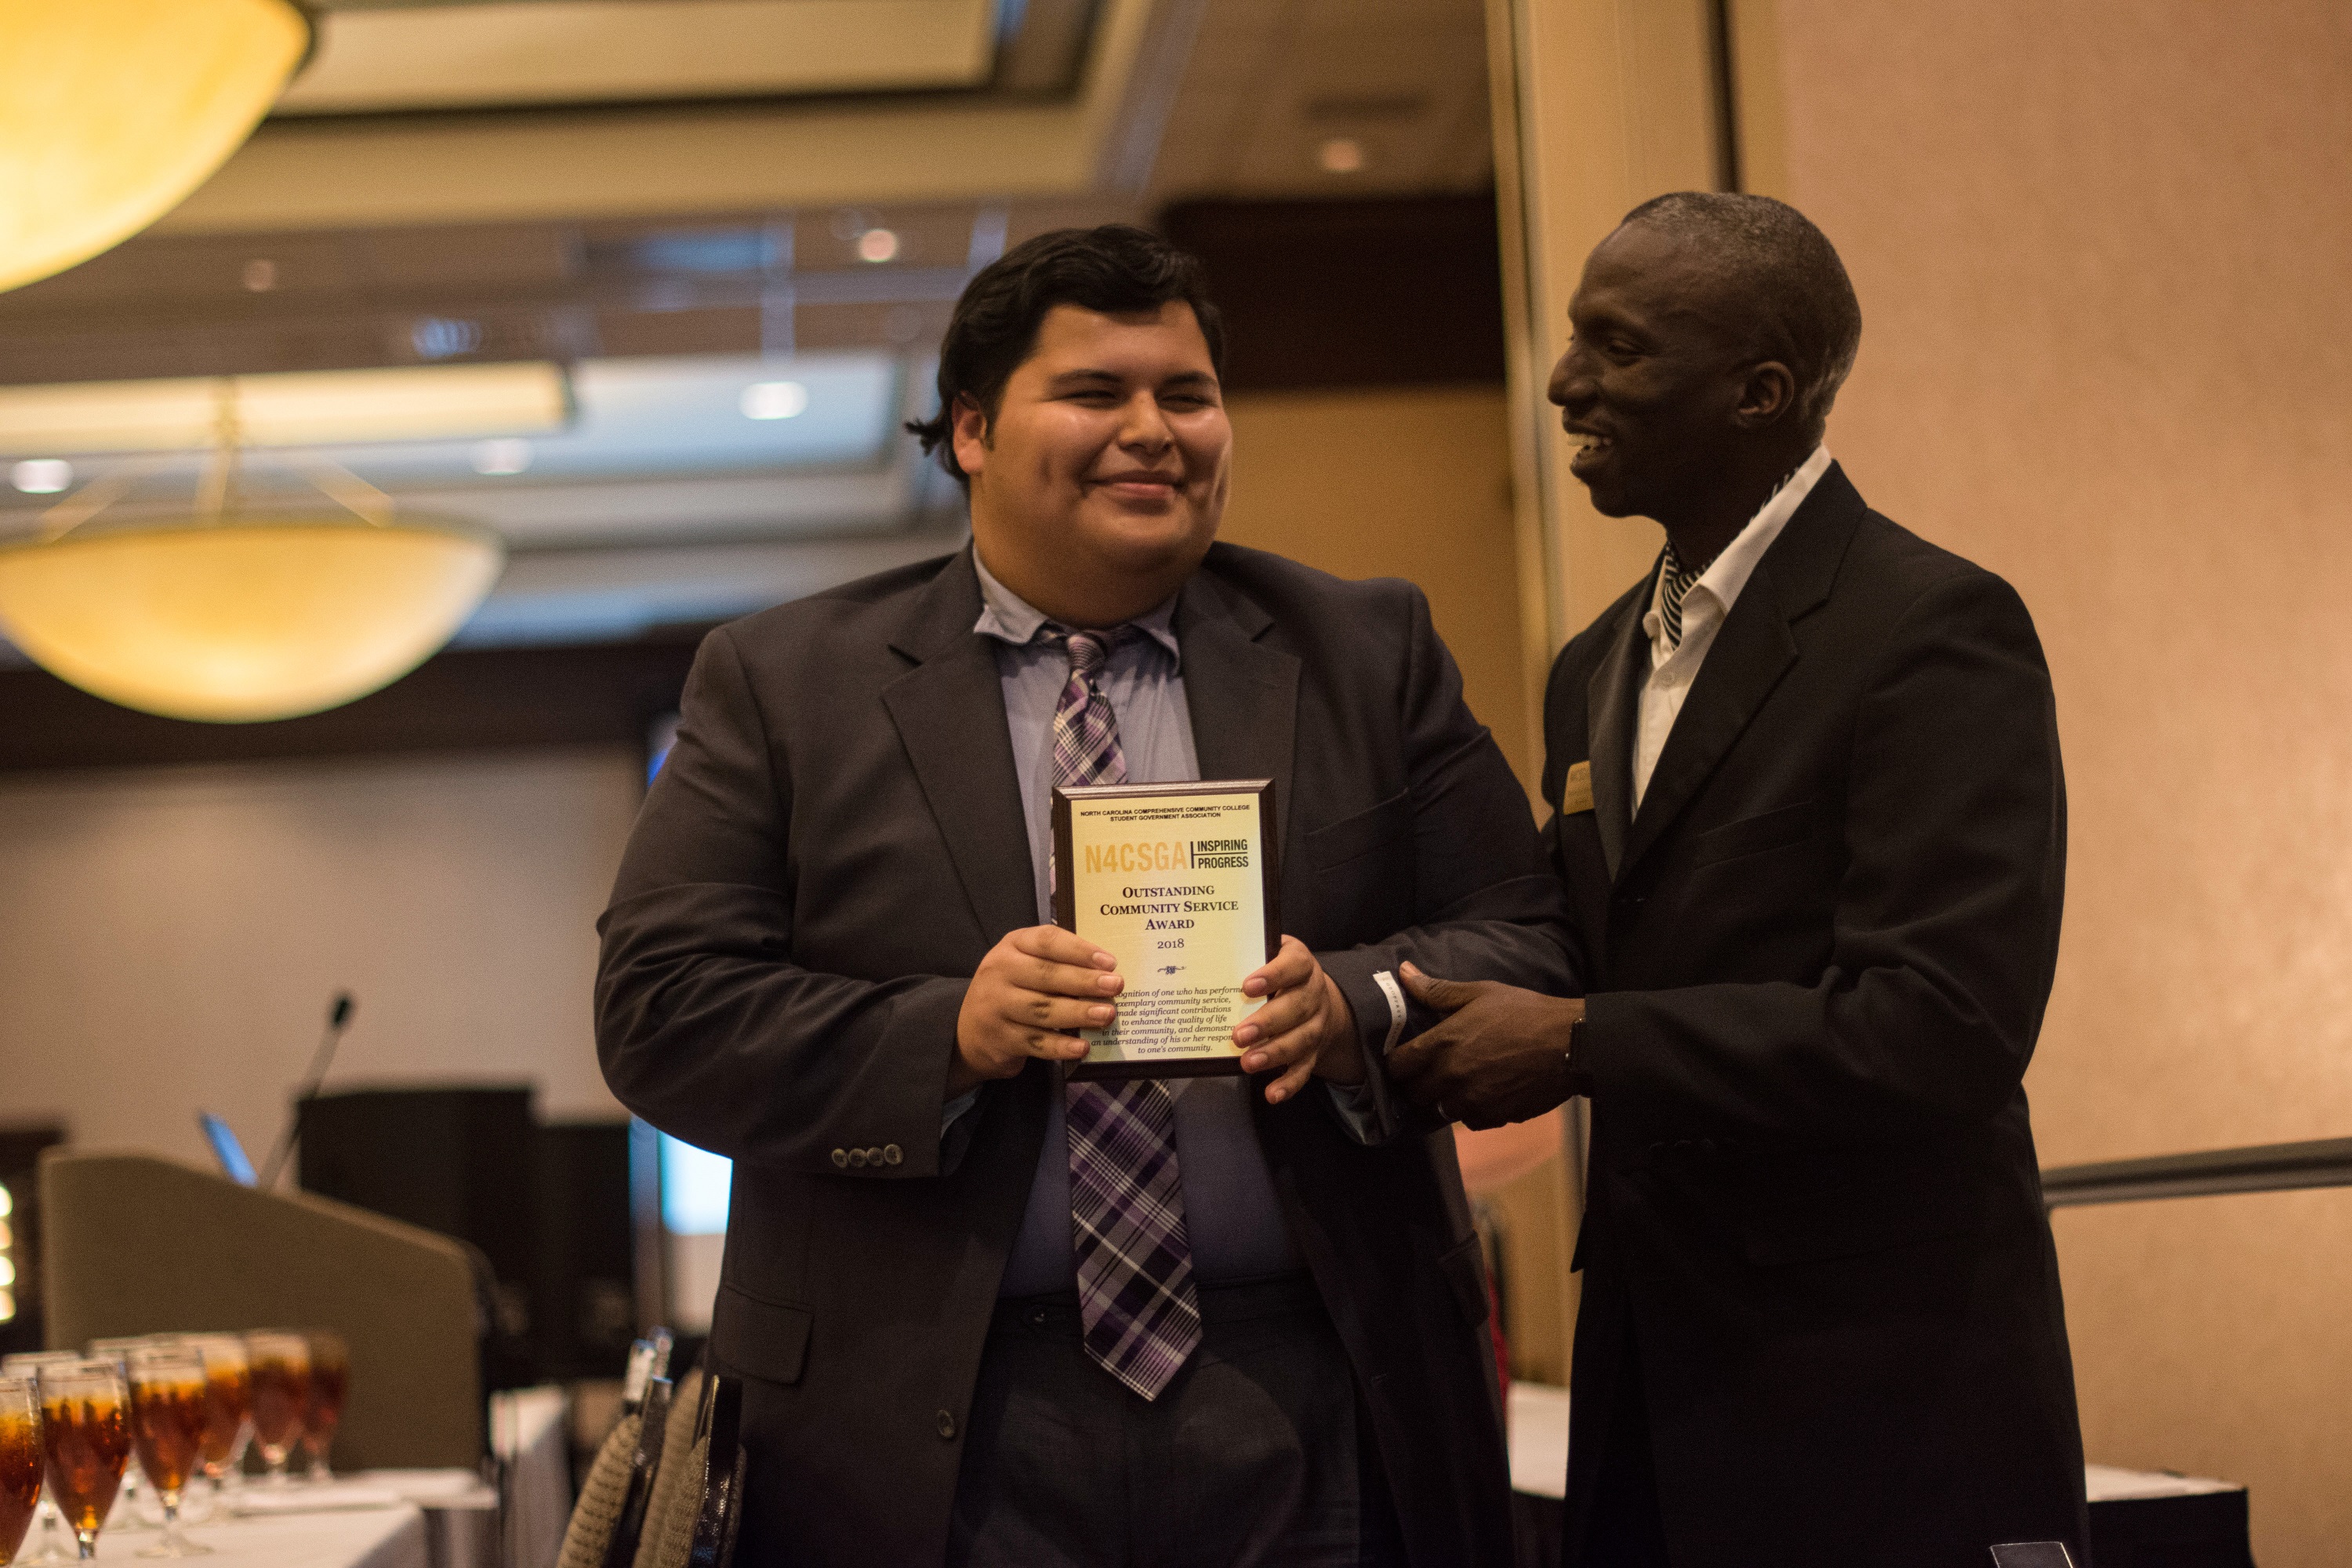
<point x="238" y="611"/>
<point x="112" y="111"/>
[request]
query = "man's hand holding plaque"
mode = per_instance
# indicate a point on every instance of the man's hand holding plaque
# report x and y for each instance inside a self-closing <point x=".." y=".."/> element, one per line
<point x="1305" y="1029"/>
<point x="1166" y="962"/>
<point x="1041" y="984"/>
<point x="1032" y="994"/>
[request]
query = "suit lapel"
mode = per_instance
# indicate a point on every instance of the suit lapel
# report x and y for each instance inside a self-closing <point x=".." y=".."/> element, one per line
<point x="1609" y="704"/>
<point x="1751" y="653"/>
<point x="1242" y="694"/>
<point x="949" y="713"/>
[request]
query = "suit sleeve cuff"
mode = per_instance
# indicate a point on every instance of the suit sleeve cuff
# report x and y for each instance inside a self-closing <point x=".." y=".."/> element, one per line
<point x="1371" y="1111"/>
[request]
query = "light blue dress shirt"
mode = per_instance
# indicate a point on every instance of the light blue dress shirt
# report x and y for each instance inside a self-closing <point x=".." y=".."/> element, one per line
<point x="1231" y="1213"/>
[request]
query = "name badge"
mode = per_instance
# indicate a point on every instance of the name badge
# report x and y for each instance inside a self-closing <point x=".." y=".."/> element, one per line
<point x="1576" y="794"/>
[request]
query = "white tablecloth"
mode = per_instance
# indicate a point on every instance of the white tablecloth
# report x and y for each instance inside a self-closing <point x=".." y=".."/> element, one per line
<point x="1539" y="1438"/>
<point x="390" y="1537"/>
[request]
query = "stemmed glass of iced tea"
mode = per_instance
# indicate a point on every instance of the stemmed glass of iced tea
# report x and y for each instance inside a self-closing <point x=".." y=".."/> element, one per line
<point x="85" y="1438"/>
<point x="280" y="1366"/>
<point x="167" y="1427"/>
<point x="330" y="1379"/>
<point x="131" y="1511"/>
<point x="28" y="1365"/>
<point x="20" y="1461"/>
<point x="229" y="1407"/>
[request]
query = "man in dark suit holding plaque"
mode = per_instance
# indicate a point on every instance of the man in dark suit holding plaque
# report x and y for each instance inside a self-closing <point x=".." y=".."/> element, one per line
<point x="1811" y="821"/>
<point x="984" y="1315"/>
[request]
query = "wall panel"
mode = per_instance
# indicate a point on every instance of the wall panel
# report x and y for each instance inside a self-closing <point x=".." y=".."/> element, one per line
<point x="2104" y="256"/>
<point x="170" y="937"/>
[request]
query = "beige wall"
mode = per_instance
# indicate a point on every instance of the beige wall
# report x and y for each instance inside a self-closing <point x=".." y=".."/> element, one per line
<point x="169" y="938"/>
<point x="1397" y="482"/>
<point x="2104" y="258"/>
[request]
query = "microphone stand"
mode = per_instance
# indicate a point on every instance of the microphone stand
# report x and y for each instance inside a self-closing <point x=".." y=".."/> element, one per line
<point x="339" y="1018"/>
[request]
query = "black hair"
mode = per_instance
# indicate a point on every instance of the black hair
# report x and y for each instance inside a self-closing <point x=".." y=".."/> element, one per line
<point x="1785" y="268"/>
<point x="1116" y="268"/>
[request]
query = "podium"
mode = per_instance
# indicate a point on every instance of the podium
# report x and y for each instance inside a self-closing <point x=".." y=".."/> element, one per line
<point x="135" y="1245"/>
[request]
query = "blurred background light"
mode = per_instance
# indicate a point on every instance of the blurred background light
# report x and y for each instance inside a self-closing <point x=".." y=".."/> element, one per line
<point x="774" y="400"/>
<point x="1341" y="155"/>
<point x="41" y="476"/>
<point x="504" y="457"/>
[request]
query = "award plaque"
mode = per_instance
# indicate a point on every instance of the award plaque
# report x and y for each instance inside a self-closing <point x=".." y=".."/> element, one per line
<point x="1177" y="881"/>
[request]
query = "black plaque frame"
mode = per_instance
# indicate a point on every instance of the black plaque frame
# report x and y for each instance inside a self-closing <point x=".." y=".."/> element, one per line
<point x="1065" y="914"/>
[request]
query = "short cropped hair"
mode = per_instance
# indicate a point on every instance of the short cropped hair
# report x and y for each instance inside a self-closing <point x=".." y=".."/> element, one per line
<point x="1808" y="315"/>
<point x="1115" y="268"/>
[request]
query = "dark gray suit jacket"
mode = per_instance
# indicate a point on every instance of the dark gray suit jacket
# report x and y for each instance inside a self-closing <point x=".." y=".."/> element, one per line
<point x="833" y="846"/>
<point x="1817" y="958"/>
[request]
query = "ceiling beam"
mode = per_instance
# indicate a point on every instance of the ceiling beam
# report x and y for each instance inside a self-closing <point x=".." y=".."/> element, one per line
<point x="624" y="163"/>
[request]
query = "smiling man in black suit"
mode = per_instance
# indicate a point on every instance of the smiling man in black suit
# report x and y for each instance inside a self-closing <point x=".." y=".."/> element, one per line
<point x="828" y="955"/>
<point x="1811" y="822"/>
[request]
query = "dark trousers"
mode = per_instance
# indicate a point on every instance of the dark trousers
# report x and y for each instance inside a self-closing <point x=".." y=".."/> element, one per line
<point x="1614" y="1520"/>
<point x="1255" y="1456"/>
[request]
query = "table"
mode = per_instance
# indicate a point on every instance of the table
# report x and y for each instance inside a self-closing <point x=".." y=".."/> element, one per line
<point x="2137" y="1517"/>
<point x="389" y="1537"/>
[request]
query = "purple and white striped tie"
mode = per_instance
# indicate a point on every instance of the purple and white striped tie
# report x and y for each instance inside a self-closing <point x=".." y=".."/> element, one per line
<point x="1136" y="1294"/>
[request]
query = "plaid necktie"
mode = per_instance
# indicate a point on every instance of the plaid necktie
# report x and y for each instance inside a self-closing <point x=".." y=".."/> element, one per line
<point x="1136" y="1295"/>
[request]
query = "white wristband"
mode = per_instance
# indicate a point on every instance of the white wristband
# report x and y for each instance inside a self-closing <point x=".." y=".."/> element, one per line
<point x="1387" y="981"/>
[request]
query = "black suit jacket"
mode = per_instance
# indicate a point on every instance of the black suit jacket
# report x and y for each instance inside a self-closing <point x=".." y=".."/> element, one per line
<point x="831" y="847"/>
<point x="1817" y="958"/>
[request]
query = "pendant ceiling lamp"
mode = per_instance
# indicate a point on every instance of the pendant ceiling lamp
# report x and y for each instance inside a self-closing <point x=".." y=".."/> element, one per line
<point x="112" y="111"/>
<point x="238" y="611"/>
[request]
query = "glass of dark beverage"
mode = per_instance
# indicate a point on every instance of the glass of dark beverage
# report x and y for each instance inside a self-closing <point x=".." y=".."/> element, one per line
<point x="20" y="1461"/>
<point x="85" y="1439"/>
<point x="167" y="1427"/>
<point x="330" y="1379"/>
<point x="229" y="1407"/>
<point x="28" y="1365"/>
<point x="133" y="1508"/>
<point x="279" y="1366"/>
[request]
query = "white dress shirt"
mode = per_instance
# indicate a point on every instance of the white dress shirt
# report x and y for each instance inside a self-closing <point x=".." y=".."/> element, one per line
<point x="1672" y="667"/>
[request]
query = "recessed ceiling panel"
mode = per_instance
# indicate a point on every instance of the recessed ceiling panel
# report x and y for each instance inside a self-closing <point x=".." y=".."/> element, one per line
<point x="420" y="402"/>
<point x="648" y="418"/>
<point x="507" y="53"/>
<point x="656" y="449"/>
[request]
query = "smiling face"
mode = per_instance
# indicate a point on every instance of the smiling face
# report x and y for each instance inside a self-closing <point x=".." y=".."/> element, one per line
<point x="1661" y="385"/>
<point x="1098" y="486"/>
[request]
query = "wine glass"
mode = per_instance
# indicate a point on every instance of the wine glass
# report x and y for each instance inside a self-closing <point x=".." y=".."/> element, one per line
<point x="331" y="1377"/>
<point x="28" y="1365"/>
<point x="280" y="1368"/>
<point x="132" y="1512"/>
<point x="167" y="1427"/>
<point x="228" y="1408"/>
<point x="86" y="1437"/>
<point x="20" y="1461"/>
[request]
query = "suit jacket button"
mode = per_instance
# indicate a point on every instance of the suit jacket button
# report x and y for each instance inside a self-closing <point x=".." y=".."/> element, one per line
<point x="947" y="1425"/>
<point x="890" y="1154"/>
<point x="858" y="1159"/>
<point x="841" y="1159"/>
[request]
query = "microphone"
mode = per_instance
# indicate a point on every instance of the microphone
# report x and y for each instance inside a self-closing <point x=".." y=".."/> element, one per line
<point x="339" y="1018"/>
